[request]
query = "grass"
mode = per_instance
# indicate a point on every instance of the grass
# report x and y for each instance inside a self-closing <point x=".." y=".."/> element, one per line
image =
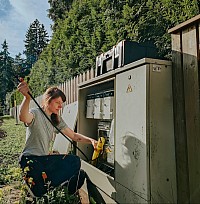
<point x="12" y="139"/>
<point x="12" y="189"/>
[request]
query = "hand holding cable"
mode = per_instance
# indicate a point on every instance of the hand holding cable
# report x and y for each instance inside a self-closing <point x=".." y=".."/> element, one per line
<point x="24" y="88"/>
<point x="24" y="114"/>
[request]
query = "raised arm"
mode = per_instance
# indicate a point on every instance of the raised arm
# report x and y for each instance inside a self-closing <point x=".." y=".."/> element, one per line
<point x="24" y="114"/>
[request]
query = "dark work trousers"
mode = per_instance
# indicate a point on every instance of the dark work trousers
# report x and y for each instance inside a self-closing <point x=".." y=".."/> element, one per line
<point x="42" y="173"/>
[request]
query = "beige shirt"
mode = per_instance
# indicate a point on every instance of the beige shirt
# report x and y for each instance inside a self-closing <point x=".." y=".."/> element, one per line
<point x="39" y="134"/>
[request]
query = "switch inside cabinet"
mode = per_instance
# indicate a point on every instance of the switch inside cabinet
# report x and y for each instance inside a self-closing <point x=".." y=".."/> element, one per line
<point x="90" y="106"/>
<point x="108" y="104"/>
<point x="98" y="105"/>
<point x="98" y="122"/>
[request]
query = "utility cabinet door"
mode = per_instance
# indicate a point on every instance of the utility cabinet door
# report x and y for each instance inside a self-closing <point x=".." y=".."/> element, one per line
<point x="162" y="147"/>
<point x="131" y="147"/>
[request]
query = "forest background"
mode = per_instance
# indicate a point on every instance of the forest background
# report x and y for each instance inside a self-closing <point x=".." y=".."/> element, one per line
<point x="82" y="30"/>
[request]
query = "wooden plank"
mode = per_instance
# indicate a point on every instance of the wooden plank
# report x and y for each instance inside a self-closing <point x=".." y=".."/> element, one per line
<point x="64" y="87"/>
<point x="179" y="121"/>
<point x="76" y="84"/>
<point x="68" y="91"/>
<point x="198" y="54"/>
<point x="187" y="23"/>
<point x="84" y="76"/>
<point x="191" y="89"/>
<point x="60" y="86"/>
<point x="92" y="73"/>
<point x="69" y="86"/>
<point x="87" y="75"/>
<point x="72" y="90"/>
<point x="64" y="91"/>
<point x="80" y="78"/>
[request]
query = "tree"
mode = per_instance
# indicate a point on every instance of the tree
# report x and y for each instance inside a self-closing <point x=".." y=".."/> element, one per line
<point x="36" y="40"/>
<point x="20" y="67"/>
<point x="58" y="10"/>
<point x="7" y="74"/>
<point x="86" y="28"/>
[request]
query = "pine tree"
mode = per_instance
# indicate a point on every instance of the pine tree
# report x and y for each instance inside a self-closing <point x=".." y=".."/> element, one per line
<point x="58" y="10"/>
<point x="7" y="74"/>
<point x="20" y="67"/>
<point x="36" y="40"/>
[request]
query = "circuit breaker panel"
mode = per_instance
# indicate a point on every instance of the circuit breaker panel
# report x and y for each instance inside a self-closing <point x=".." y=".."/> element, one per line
<point x="97" y="117"/>
<point x="132" y="109"/>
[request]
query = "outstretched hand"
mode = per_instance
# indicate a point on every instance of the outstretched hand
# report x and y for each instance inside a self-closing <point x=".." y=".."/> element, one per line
<point x="94" y="143"/>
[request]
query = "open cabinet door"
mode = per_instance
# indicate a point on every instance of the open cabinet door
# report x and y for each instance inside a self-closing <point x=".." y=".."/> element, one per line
<point x="70" y="113"/>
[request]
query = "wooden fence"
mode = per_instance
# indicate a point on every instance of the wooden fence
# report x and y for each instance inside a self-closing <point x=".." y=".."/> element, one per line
<point x="186" y="88"/>
<point x="70" y="89"/>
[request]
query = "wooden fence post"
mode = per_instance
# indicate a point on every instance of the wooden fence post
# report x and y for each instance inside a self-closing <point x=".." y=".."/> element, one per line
<point x="186" y="91"/>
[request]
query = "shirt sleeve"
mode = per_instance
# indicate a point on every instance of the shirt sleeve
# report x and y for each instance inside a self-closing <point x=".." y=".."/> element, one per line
<point x="62" y="125"/>
<point x="33" y="111"/>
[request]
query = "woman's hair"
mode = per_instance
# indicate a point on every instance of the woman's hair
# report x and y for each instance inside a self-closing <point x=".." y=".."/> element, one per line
<point x="50" y="94"/>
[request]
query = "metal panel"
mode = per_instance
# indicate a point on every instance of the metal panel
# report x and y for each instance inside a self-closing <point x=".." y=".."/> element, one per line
<point x="124" y="195"/>
<point x="131" y="155"/>
<point x="102" y="180"/>
<point x="90" y="106"/>
<point x="61" y="144"/>
<point x="145" y="150"/>
<point x="162" y="147"/>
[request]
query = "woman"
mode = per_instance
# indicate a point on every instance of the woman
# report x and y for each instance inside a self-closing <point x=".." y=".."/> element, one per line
<point x="41" y="170"/>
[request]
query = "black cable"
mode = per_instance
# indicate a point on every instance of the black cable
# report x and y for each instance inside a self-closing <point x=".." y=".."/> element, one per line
<point x="21" y="79"/>
<point x="68" y="140"/>
<point x="56" y="127"/>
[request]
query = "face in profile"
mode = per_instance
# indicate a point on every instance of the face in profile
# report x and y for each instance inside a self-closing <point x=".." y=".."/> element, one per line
<point x="55" y="105"/>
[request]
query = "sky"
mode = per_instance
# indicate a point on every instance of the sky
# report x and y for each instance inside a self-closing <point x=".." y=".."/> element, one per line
<point x="15" y="19"/>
